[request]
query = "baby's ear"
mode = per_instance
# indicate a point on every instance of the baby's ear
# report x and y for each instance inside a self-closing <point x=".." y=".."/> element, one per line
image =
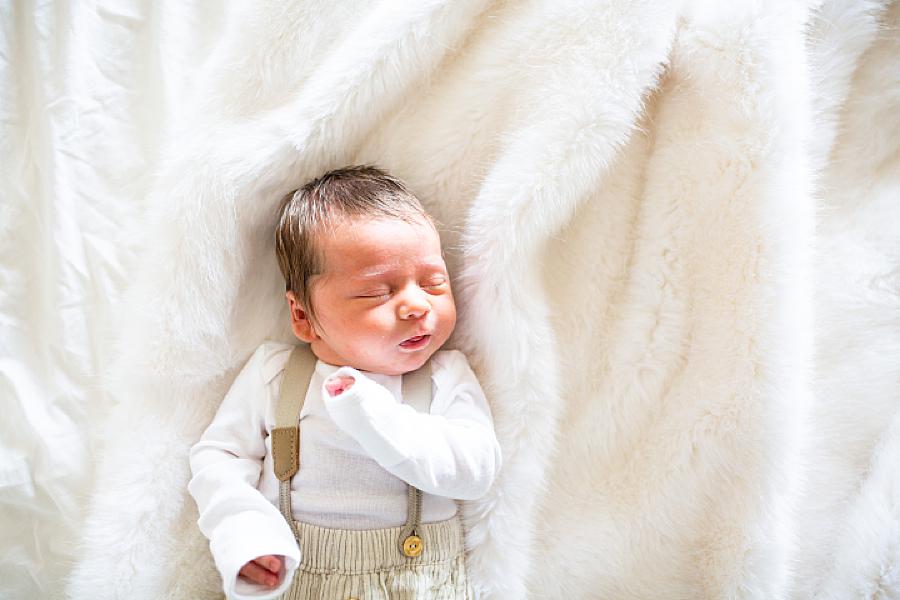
<point x="301" y="324"/>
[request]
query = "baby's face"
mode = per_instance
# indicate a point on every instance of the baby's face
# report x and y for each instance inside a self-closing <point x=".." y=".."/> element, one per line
<point x="383" y="303"/>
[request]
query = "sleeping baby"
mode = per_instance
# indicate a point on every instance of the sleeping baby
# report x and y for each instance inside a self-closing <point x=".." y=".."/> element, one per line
<point x="333" y="468"/>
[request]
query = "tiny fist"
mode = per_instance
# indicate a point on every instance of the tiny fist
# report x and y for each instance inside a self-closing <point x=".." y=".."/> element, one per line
<point x="263" y="570"/>
<point x="338" y="385"/>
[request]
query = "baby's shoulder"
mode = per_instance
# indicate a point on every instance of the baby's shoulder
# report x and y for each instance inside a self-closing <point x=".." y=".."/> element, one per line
<point x="448" y="358"/>
<point x="270" y="358"/>
<point x="450" y="366"/>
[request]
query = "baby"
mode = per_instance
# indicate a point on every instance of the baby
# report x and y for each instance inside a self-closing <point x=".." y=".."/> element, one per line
<point x="392" y="430"/>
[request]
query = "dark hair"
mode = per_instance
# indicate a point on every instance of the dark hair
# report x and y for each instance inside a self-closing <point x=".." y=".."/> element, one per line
<point x="357" y="191"/>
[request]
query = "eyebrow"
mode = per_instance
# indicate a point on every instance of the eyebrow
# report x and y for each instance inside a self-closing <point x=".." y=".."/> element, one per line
<point x="382" y="270"/>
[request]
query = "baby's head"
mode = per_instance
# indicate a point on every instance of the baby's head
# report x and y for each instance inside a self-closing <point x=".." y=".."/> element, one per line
<point x="367" y="286"/>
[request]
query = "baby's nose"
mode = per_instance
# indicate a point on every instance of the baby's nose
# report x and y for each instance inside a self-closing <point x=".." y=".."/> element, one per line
<point x="414" y="306"/>
<point x="416" y="311"/>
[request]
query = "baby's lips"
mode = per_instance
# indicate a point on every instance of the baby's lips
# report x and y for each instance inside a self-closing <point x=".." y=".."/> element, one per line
<point x="415" y="339"/>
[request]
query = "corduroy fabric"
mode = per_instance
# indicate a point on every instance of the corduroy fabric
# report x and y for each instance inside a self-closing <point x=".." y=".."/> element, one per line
<point x="338" y="564"/>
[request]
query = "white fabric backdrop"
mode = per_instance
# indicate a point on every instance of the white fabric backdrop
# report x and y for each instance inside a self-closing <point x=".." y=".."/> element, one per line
<point x="88" y="93"/>
<point x="92" y="92"/>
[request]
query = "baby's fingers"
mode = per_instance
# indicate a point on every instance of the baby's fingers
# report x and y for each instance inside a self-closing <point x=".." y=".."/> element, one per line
<point x="338" y="385"/>
<point x="272" y="563"/>
<point x="257" y="574"/>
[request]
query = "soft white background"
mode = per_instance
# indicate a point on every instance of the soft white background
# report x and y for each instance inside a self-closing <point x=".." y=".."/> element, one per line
<point x="90" y="93"/>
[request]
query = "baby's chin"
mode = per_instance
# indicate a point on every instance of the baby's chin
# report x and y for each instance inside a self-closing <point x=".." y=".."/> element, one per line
<point x="400" y="364"/>
<point x="405" y="363"/>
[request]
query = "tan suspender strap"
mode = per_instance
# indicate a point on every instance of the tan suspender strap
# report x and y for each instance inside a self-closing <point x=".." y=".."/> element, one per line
<point x="286" y="434"/>
<point x="416" y="393"/>
<point x="284" y="505"/>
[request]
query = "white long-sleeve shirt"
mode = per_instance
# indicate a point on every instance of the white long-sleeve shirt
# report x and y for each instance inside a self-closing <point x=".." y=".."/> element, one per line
<point x="358" y="451"/>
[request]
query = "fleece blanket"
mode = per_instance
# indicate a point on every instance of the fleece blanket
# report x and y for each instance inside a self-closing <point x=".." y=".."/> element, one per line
<point x="626" y="192"/>
<point x="849" y="525"/>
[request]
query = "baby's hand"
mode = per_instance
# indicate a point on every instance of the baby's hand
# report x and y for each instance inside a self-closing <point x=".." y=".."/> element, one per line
<point x="264" y="570"/>
<point x="338" y="385"/>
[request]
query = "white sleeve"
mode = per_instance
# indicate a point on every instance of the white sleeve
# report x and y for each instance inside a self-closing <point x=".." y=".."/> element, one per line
<point x="226" y="463"/>
<point x="451" y="452"/>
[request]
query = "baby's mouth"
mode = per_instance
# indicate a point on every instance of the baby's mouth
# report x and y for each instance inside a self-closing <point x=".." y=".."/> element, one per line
<point x="416" y="342"/>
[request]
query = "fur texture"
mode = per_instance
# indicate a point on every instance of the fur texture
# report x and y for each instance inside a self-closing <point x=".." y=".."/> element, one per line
<point x="626" y="197"/>
<point x="850" y="525"/>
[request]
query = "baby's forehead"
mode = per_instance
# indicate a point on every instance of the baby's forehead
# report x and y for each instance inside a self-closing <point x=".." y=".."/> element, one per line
<point x="341" y="221"/>
<point x="367" y="248"/>
<point x="373" y="265"/>
<point x="377" y="228"/>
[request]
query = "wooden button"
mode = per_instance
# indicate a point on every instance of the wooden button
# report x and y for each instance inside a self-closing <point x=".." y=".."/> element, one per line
<point x="413" y="546"/>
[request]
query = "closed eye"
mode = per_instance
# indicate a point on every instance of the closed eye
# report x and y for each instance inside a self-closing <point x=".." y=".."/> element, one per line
<point x="374" y="294"/>
<point x="435" y="282"/>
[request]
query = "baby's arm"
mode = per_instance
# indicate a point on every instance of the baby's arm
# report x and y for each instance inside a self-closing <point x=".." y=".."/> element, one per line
<point x="450" y="452"/>
<point x="241" y="524"/>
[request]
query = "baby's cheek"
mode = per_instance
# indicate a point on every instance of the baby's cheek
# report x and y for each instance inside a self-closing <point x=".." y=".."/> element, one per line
<point x="375" y="328"/>
<point x="450" y="319"/>
<point x="368" y="344"/>
<point x="446" y="319"/>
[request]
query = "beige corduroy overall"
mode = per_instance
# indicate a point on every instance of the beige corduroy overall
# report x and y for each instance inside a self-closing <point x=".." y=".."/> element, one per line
<point x="415" y="561"/>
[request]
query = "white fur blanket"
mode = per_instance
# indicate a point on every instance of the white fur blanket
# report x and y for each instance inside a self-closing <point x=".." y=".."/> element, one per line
<point x="626" y="193"/>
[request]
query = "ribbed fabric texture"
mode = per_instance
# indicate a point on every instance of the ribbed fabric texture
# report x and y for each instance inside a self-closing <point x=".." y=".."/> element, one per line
<point x="338" y="564"/>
